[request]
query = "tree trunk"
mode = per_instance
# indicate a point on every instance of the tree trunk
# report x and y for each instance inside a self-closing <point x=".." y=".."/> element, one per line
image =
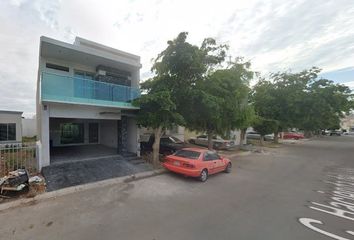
<point x="242" y="136"/>
<point x="156" y="147"/>
<point x="308" y="134"/>
<point x="276" y="137"/>
<point x="261" y="140"/>
<point x="210" y="140"/>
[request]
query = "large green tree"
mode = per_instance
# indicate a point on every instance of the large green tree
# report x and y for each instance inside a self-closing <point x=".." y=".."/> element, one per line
<point x="220" y="101"/>
<point x="301" y="100"/>
<point x="158" y="112"/>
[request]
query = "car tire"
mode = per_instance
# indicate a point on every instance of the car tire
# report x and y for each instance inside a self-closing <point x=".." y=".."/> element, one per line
<point x="203" y="175"/>
<point x="228" y="168"/>
<point x="192" y="141"/>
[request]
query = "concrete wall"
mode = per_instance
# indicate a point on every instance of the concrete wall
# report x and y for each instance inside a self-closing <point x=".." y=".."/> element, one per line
<point x="7" y="117"/>
<point x="108" y="133"/>
<point x="29" y="127"/>
<point x="86" y="112"/>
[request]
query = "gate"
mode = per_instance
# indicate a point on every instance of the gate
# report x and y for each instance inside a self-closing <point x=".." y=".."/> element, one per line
<point x="17" y="155"/>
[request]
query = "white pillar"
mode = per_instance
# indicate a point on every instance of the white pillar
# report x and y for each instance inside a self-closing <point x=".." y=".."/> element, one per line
<point x="45" y="156"/>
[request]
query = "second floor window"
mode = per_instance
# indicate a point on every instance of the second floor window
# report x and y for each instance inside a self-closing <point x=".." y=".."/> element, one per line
<point x="84" y="75"/>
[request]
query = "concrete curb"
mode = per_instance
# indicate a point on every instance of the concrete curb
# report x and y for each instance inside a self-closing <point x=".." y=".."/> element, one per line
<point x="239" y="154"/>
<point x="80" y="188"/>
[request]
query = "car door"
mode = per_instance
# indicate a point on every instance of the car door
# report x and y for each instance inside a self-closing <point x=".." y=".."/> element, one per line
<point x="214" y="162"/>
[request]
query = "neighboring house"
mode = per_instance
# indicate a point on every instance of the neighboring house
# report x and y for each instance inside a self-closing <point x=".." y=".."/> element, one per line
<point x="84" y="94"/>
<point x="29" y="127"/>
<point x="10" y="126"/>
<point x="347" y="123"/>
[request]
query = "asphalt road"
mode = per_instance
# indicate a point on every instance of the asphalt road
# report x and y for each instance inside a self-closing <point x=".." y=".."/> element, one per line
<point x="281" y="194"/>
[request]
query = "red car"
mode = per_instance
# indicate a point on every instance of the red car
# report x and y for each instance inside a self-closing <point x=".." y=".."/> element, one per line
<point x="197" y="162"/>
<point x="293" y="135"/>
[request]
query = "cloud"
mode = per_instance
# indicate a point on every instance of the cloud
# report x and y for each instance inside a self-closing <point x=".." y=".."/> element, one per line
<point x="275" y="35"/>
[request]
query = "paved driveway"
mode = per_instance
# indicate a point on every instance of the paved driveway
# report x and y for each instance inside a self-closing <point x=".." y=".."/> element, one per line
<point x="74" y="173"/>
<point x="263" y="198"/>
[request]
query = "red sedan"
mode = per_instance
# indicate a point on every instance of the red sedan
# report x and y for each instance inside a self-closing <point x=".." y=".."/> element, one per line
<point x="293" y="135"/>
<point x="197" y="162"/>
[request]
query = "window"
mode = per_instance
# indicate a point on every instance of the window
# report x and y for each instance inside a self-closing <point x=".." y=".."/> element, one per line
<point x="165" y="140"/>
<point x="211" y="156"/>
<point x="84" y="75"/>
<point x="71" y="133"/>
<point x="7" y="131"/>
<point x="57" y="67"/>
<point x="187" y="154"/>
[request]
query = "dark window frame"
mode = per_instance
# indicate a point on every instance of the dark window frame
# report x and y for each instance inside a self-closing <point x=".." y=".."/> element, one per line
<point x="57" y="67"/>
<point x="9" y="127"/>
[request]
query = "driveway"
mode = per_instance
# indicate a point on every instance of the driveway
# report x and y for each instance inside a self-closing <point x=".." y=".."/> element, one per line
<point x="263" y="198"/>
<point x="67" y="174"/>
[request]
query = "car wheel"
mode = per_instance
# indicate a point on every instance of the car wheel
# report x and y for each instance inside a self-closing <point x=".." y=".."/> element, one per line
<point x="192" y="141"/>
<point x="296" y="138"/>
<point x="203" y="175"/>
<point x="228" y="168"/>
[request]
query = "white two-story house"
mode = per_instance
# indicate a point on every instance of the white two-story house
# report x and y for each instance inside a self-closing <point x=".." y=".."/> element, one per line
<point x="84" y="94"/>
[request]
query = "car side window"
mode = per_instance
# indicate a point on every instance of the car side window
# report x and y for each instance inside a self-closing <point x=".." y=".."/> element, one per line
<point x="211" y="156"/>
<point x="165" y="140"/>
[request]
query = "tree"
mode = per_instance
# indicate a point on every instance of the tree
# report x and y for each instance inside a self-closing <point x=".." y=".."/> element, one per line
<point x="220" y="101"/>
<point x="157" y="111"/>
<point x="180" y="68"/>
<point x="301" y="100"/>
<point x="265" y="126"/>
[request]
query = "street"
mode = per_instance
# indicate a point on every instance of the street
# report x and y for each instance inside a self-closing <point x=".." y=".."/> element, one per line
<point x="280" y="194"/>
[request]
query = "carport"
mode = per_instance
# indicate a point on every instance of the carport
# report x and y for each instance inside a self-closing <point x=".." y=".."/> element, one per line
<point x="64" y="154"/>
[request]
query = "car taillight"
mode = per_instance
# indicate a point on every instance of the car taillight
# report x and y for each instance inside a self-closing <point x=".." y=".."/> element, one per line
<point x="188" y="165"/>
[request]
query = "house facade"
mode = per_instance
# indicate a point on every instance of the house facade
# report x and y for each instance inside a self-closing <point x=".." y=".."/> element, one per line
<point x="10" y="126"/>
<point x="347" y="123"/>
<point x="84" y="95"/>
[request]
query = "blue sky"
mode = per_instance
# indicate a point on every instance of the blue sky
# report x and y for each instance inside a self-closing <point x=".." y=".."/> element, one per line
<point x="276" y="35"/>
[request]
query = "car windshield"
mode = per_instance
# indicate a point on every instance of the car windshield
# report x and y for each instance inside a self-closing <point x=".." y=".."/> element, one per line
<point x="187" y="154"/>
<point x="175" y="140"/>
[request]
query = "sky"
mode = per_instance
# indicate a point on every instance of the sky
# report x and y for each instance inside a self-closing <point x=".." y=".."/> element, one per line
<point x="275" y="35"/>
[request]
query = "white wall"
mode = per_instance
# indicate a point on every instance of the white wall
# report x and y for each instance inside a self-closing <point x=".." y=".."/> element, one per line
<point x="29" y="127"/>
<point x="79" y="111"/>
<point x="108" y="133"/>
<point x="13" y="118"/>
<point x="236" y="135"/>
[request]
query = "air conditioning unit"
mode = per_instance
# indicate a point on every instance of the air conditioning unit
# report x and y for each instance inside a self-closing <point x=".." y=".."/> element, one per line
<point x="101" y="72"/>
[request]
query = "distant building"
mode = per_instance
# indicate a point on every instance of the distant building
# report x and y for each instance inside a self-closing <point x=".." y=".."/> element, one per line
<point x="29" y="127"/>
<point x="10" y="126"/>
<point x="347" y="123"/>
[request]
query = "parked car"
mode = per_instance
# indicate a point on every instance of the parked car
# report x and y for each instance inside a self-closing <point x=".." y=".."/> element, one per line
<point x="256" y="135"/>
<point x="218" y="142"/>
<point x="335" y="133"/>
<point x="197" y="162"/>
<point x="293" y="135"/>
<point x="168" y="144"/>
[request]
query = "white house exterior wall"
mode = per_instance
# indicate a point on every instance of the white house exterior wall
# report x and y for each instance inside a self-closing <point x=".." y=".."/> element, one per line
<point x="29" y="127"/>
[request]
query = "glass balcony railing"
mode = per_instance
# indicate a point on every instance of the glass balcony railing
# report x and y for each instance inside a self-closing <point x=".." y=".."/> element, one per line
<point x="70" y="89"/>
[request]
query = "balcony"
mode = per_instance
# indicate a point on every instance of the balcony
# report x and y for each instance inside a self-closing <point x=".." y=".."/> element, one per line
<point x="68" y="89"/>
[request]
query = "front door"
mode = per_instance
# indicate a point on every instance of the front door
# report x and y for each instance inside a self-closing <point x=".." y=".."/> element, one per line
<point x="93" y="132"/>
